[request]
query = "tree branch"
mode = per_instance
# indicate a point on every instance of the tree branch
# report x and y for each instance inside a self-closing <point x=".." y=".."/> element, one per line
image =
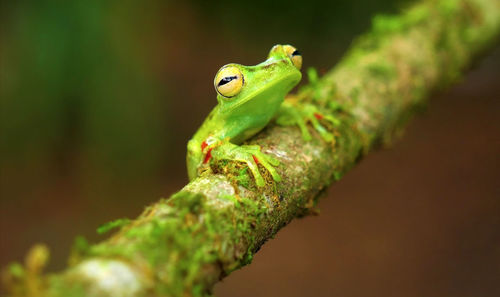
<point x="183" y="245"/>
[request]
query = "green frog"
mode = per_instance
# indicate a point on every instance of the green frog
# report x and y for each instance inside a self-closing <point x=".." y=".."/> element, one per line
<point x="248" y="98"/>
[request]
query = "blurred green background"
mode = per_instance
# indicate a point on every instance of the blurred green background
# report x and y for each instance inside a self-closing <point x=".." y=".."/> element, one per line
<point x="99" y="98"/>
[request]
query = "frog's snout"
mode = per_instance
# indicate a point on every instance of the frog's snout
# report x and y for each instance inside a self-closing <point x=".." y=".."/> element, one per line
<point x="288" y="51"/>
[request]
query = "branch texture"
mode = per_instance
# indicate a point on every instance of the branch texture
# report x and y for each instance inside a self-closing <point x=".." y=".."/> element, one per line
<point x="183" y="245"/>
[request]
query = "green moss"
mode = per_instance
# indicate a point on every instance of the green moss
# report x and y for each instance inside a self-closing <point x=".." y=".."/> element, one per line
<point x="112" y="225"/>
<point x="176" y="231"/>
<point x="16" y="270"/>
<point x="231" y="198"/>
<point x="354" y="94"/>
<point x="417" y="15"/>
<point x="79" y="250"/>
<point x="383" y="24"/>
<point x="382" y="70"/>
<point x="448" y="8"/>
<point x="243" y="177"/>
<point x="81" y="244"/>
<point x="64" y="286"/>
<point x="337" y="175"/>
<point x="189" y="227"/>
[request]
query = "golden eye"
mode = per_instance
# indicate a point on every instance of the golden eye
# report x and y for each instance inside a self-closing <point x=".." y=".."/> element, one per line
<point x="228" y="81"/>
<point x="294" y="55"/>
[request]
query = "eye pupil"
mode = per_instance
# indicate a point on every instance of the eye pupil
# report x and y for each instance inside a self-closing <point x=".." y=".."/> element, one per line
<point x="226" y="80"/>
<point x="296" y="53"/>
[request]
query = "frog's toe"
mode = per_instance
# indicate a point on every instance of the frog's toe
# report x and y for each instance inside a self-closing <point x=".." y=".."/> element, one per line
<point x="327" y="136"/>
<point x="334" y="121"/>
<point x="273" y="172"/>
<point x="271" y="160"/>
<point x="269" y="163"/>
<point x="303" y="129"/>
<point x="254" y="168"/>
<point x="251" y="147"/>
<point x="323" y="132"/>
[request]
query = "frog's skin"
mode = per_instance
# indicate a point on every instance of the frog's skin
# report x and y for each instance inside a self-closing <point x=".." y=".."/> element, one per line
<point x="248" y="97"/>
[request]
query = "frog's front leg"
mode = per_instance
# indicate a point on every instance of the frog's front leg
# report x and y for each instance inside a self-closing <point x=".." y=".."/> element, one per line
<point x="293" y="112"/>
<point x="251" y="155"/>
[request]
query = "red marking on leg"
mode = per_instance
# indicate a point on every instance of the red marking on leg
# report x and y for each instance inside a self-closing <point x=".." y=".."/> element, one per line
<point x="255" y="159"/>
<point x="203" y="145"/>
<point x="318" y="116"/>
<point x="208" y="156"/>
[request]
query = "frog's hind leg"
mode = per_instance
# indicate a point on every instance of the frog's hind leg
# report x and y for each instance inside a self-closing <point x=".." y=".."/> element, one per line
<point x="327" y="136"/>
<point x="289" y="116"/>
<point x="295" y="113"/>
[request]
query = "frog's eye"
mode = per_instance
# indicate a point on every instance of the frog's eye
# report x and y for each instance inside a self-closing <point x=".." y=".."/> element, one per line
<point x="228" y="81"/>
<point x="294" y="55"/>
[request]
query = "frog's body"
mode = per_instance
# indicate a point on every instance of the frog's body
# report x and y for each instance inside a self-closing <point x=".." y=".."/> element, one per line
<point x="248" y="97"/>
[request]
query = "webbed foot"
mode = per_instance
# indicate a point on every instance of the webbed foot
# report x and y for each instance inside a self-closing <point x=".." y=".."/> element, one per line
<point x="251" y="155"/>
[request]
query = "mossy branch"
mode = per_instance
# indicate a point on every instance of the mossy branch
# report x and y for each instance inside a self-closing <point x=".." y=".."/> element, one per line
<point x="183" y="245"/>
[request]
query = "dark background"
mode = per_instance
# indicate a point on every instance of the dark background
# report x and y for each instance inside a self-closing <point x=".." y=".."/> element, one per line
<point x="99" y="99"/>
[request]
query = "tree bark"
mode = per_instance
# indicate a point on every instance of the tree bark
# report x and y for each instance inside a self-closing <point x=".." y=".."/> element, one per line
<point x="183" y="245"/>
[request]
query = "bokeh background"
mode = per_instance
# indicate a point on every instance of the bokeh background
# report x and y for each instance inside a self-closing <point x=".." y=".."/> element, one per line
<point x="99" y="98"/>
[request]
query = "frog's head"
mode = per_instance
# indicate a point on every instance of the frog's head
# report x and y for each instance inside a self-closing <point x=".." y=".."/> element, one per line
<point x="258" y="89"/>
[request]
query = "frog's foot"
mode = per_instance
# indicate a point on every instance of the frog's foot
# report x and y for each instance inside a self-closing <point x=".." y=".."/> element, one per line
<point x="294" y="113"/>
<point x="252" y="156"/>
